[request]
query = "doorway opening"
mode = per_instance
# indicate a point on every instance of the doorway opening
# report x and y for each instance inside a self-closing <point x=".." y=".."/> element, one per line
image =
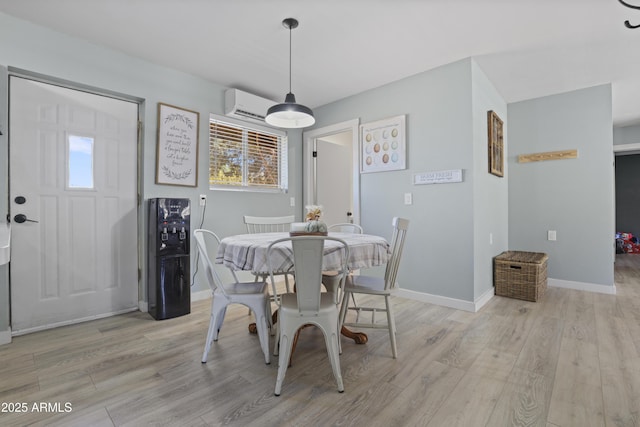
<point x="331" y="172"/>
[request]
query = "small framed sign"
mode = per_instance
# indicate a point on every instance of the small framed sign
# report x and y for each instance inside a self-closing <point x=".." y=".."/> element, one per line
<point x="177" y="151"/>
<point x="438" y="177"/>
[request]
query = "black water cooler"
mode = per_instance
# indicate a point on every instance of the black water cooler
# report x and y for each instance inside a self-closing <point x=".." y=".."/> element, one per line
<point x="168" y="268"/>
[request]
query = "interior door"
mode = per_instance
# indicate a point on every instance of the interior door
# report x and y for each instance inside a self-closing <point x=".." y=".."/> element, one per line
<point x="332" y="175"/>
<point x="334" y="183"/>
<point x="73" y="180"/>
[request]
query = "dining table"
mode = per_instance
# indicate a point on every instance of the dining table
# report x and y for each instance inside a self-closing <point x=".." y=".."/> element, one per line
<point x="248" y="252"/>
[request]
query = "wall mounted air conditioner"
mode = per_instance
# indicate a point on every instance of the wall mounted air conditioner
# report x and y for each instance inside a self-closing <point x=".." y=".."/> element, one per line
<point x="246" y="106"/>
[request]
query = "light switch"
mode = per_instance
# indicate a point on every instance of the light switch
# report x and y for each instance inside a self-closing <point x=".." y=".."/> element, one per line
<point x="551" y="235"/>
<point x="408" y="198"/>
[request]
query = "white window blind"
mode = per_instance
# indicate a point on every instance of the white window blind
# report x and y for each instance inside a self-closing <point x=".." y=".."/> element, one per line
<point x="244" y="157"/>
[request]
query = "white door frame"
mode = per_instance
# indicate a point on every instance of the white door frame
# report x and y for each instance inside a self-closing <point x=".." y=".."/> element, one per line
<point x="309" y="140"/>
<point x="17" y="72"/>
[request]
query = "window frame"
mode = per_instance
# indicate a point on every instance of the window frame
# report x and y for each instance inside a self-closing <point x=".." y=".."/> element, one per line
<point x="246" y="126"/>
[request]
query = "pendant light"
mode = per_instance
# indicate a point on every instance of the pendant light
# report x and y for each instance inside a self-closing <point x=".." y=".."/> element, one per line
<point x="289" y="114"/>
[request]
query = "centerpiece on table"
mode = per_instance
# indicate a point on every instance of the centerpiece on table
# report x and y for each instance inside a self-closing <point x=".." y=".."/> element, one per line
<point x="312" y="225"/>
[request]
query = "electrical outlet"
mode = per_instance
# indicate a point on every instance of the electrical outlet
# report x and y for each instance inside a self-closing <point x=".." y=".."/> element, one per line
<point x="292" y="201"/>
<point x="551" y="235"/>
<point x="203" y="199"/>
<point x="408" y="198"/>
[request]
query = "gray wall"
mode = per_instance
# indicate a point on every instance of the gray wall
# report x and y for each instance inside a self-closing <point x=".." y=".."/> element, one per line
<point x="628" y="194"/>
<point x="626" y="135"/>
<point x="446" y="129"/>
<point x="490" y="193"/>
<point x="574" y="196"/>
<point x="39" y="50"/>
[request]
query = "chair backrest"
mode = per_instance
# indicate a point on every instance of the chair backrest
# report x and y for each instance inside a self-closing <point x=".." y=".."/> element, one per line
<point x="346" y="227"/>
<point x="308" y="252"/>
<point x="203" y="237"/>
<point x="400" y="226"/>
<point x="268" y="224"/>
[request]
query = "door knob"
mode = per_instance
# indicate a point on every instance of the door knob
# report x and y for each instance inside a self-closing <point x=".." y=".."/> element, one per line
<point x="20" y="218"/>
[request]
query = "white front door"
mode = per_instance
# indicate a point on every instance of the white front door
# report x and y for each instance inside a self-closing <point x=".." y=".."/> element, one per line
<point x="73" y="181"/>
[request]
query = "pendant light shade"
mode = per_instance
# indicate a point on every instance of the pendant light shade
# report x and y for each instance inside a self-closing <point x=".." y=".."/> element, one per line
<point x="290" y="114"/>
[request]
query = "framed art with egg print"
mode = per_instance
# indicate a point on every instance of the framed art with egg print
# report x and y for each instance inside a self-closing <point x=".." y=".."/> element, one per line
<point x="383" y="145"/>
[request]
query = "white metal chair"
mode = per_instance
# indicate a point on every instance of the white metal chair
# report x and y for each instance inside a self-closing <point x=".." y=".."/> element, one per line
<point x="329" y="277"/>
<point x="254" y="295"/>
<point x="308" y="305"/>
<point x="346" y="227"/>
<point x="270" y="224"/>
<point x="378" y="286"/>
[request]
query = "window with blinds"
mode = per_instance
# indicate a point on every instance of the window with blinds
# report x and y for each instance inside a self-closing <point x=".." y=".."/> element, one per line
<point x="242" y="157"/>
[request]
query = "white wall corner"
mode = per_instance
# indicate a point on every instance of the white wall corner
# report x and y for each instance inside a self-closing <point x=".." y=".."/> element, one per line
<point x="484" y="298"/>
<point x="5" y="336"/>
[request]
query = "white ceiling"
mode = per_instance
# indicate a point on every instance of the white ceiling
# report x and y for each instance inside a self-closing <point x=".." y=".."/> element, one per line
<point x="527" y="48"/>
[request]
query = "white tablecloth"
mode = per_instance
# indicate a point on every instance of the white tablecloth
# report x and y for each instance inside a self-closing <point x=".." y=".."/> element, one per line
<point x="249" y="252"/>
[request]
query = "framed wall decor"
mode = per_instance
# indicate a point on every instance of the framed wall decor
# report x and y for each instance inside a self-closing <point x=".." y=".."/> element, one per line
<point x="177" y="151"/>
<point x="383" y="145"/>
<point x="496" y="144"/>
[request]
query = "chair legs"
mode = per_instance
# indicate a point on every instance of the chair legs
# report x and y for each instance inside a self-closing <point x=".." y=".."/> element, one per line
<point x="332" y="339"/>
<point x="286" y="342"/>
<point x="263" y="333"/>
<point x="330" y="331"/>
<point x="344" y="307"/>
<point x="287" y="286"/>
<point x="276" y="343"/>
<point x="218" y="311"/>
<point x="391" y="322"/>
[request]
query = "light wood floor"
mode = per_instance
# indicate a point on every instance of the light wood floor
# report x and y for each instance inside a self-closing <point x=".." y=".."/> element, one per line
<point x="571" y="359"/>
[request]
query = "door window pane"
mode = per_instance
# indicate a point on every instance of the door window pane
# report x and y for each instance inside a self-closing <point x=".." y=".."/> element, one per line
<point x="80" y="162"/>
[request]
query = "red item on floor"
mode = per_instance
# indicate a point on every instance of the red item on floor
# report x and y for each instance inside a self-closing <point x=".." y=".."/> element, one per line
<point x="627" y="243"/>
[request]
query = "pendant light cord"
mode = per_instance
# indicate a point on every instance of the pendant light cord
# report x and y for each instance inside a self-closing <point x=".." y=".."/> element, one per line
<point x="290" y="59"/>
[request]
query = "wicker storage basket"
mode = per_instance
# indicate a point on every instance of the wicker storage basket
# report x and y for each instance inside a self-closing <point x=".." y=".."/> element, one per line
<point x="521" y="275"/>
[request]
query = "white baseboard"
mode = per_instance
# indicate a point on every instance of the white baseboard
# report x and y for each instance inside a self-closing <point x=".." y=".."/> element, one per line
<point x="582" y="286"/>
<point x="72" y="322"/>
<point x="458" y="304"/>
<point x="5" y="336"/>
<point x="200" y="295"/>
<point x="486" y="297"/>
<point x="143" y="306"/>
